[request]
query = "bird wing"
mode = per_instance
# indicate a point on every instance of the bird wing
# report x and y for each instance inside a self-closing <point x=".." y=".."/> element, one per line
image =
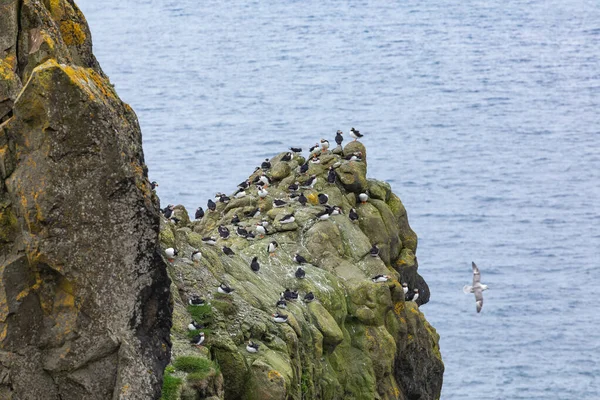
<point x="478" y="299"/>
<point x="476" y="274"/>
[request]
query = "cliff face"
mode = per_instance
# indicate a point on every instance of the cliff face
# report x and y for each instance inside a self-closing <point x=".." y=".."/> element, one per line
<point x="84" y="293"/>
<point x="357" y="340"/>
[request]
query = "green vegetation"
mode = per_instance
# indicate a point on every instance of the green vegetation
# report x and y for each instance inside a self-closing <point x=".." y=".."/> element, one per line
<point x="192" y="364"/>
<point x="171" y="384"/>
<point x="201" y="314"/>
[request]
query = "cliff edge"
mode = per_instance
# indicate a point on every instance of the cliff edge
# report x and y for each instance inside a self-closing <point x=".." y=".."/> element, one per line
<point x="84" y="292"/>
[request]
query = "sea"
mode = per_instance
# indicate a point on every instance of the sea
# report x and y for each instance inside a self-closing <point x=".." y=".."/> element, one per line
<point x="484" y="116"/>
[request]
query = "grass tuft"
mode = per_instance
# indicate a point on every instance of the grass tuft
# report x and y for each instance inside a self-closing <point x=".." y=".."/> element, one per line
<point x="170" y="389"/>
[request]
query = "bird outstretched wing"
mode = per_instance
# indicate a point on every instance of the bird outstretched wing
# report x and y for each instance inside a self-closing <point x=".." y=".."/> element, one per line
<point x="476" y="275"/>
<point x="478" y="298"/>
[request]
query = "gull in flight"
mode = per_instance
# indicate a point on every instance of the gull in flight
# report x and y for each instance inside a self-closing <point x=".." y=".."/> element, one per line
<point x="477" y="287"/>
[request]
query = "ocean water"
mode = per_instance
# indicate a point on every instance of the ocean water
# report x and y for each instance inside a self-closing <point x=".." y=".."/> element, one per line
<point x="484" y="116"/>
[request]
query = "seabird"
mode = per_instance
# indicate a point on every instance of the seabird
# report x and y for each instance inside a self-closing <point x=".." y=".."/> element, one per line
<point x="196" y="256"/>
<point x="281" y="303"/>
<point x="477" y="288"/>
<point x="380" y="278"/>
<point x="265" y="164"/>
<point x="209" y="240"/>
<point x="315" y="159"/>
<point x="196" y="300"/>
<point x="223" y="231"/>
<point x="227" y="251"/>
<point x="323" y="198"/>
<point x="287" y="219"/>
<point x="194" y="326"/>
<point x="271" y="247"/>
<point x="310" y="182"/>
<point x="250" y="236"/>
<point x="199" y="213"/>
<point x="153" y="185"/>
<point x="277" y="203"/>
<point x="287" y="157"/>
<point x="302" y="199"/>
<point x="224" y="289"/>
<point x="294" y="186"/>
<point x="355" y="134"/>
<point x="296" y="149"/>
<point x="339" y="138"/>
<point x="280" y="318"/>
<point x="224" y="199"/>
<point x="331" y="175"/>
<point x="412" y="296"/>
<point x="356" y="156"/>
<point x="405" y="288"/>
<point x="363" y="197"/>
<point x="262" y="192"/>
<point x="253" y="214"/>
<point x="261" y="230"/>
<point x="289" y="295"/>
<point x="308" y="297"/>
<point x="265" y="180"/>
<point x="324" y="145"/>
<point x="299" y="259"/>
<point x="304" y="168"/>
<point x="171" y="254"/>
<point x="300" y="273"/>
<point x="168" y="211"/>
<point x="324" y="215"/>
<point x="264" y="222"/>
<point x="198" y="339"/>
<point x="244" y="185"/>
<point x="252" y="347"/>
<point x="353" y="215"/>
<point x="314" y="149"/>
<point x="211" y="205"/>
<point x="335" y="211"/>
<point x="241" y="232"/>
<point x="239" y="194"/>
<point x="254" y="265"/>
<point x="235" y="220"/>
<point x="374" y="250"/>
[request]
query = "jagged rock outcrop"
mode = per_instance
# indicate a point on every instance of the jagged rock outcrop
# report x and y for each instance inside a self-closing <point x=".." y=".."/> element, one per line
<point x="357" y="340"/>
<point x="84" y="292"/>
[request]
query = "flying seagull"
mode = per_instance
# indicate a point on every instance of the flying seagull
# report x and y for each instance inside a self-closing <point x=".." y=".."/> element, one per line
<point x="477" y="287"/>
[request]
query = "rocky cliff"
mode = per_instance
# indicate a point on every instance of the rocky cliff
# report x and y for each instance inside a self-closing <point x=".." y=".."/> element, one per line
<point x="358" y="339"/>
<point x="84" y="293"/>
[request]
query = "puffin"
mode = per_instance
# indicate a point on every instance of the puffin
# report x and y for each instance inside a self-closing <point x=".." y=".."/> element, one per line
<point x="265" y="164"/>
<point x="324" y="145"/>
<point x="310" y="182"/>
<point x="262" y="192"/>
<point x="296" y="149"/>
<point x="353" y="215"/>
<point x="253" y="213"/>
<point x="331" y="176"/>
<point x="304" y="168"/>
<point x="299" y="259"/>
<point x="235" y="220"/>
<point x="194" y="326"/>
<point x="335" y="211"/>
<point x="289" y="295"/>
<point x="196" y="300"/>
<point x="287" y="219"/>
<point x="356" y="156"/>
<point x="294" y="187"/>
<point x="209" y="240"/>
<point x="211" y="205"/>
<point x="261" y="230"/>
<point x="224" y="289"/>
<point x="265" y="180"/>
<point x="355" y="134"/>
<point x="272" y="247"/>
<point x="315" y="159"/>
<point x="339" y="138"/>
<point x="323" y="198"/>
<point x="363" y="197"/>
<point x="241" y="232"/>
<point x="223" y="231"/>
<point x="224" y="199"/>
<point x="278" y="203"/>
<point x="239" y="194"/>
<point x="405" y="288"/>
<point x="281" y="303"/>
<point x="227" y="251"/>
<point x="380" y="278"/>
<point x="153" y="185"/>
<point x="374" y="250"/>
<point x="324" y="215"/>
<point x="171" y="254"/>
<point x="280" y="318"/>
<point x="199" y="213"/>
<point x="252" y="347"/>
<point x="168" y="211"/>
<point x="314" y="149"/>
<point x="287" y="157"/>
<point x="244" y="185"/>
<point x="302" y="199"/>
<point x="308" y="297"/>
<point x="196" y="256"/>
<point x="254" y="265"/>
<point x="300" y="273"/>
<point x="412" y="296"/>
<point x="198" y="339"/>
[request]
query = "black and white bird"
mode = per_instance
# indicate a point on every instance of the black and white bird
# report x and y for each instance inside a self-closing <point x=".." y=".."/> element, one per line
<point x="198" y="339"/>
<point x="355" y="134"/>
<point x="224" y="199"/>
<point x="339" y="138"/>
<point x="294" y="187"/>
<point x="199" y="213"/>
<point x="211" y="205"/>
<point x="299" y="259"/>
<point x="244" y="185"/>
<point x="336" y="211"/>
<point x="356" y="156"/>
<point x="331" y="176"/>
<point x="296" y="149"/>
<point x="324" y="215"/>
<point x="168" y="211"/>
<point x="278" y="203"/>
<point x="265" y="164"/>
<point x="310" y="182"/>
<point x="235" y="220"/>
<point x="240" y="193"/>
<point x="227" y="251"/>
<point x="405" y="288"/>
<point x="315" y="159"/>
<point x="252" y="213"/>
<point x="196" y="300"/>
<point x="171" y="253"/>
<point x="290" y="295"/>
<point x="412" y="296"/>
<point x="323" y="198"/>
<point x="264" y="180"/>
<point x="308" y="297"/>
<point x="302" y="199"/>
<point x="280" y="318"/>
<point x="252" y="347"/>
<point x="287" y="157"/>
<point x="374" y="250"/>
<point x="300" y="273"/>
<point x="194" y="326"/>
<point x="314" y="149"/>
<point x="281" y="303"/>
<point x="477" y="288"/>
<point x="224" y="289"/>
<point x="196" y="256"/>
<point x="363" y="197"/>
<point x="262" y="192"/>
<point x="380" y="278"/>
<point x="304" y="168"/>
<point x="153" y="185"/>
<point x="210" y="240"/>
<point x="353" y="215"/>
<point x="287" y="219"/>
<point x="254" y="265"/>
<point x="271" y="247"/>
<point x="261" y="230"/>
<point x="324" y="145"/>
<point x="223" y="231"/>
<point x="241" y="232"/>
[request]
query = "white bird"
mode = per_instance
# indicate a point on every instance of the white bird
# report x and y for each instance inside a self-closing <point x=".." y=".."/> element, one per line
<point x="198" y="339"/>
<point x="380" y="278"/>
<point x="261" y="230"/>
<point x="194" y="326"/>
<point x="262" y="192"/>
<point x="252" y="347"/>
<point x="363" y="197"/>
<point x="171" y="253"/>
<point x="355" y="134"/>
<point x="280" y="318"/>
<point x="405" y="288"/>
<point x="196" y="256"/>
<point x="240" y="193"/>
<point x="477" y="288"/>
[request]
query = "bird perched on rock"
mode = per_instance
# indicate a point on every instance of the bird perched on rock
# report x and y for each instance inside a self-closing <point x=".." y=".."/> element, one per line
<point x="299" y="259"/>
<point x="199" y="213"/>
<point x="356" y="156"/>
<point x="335" y="210"/>
<point x="253" y="213"/>
<point x="363" y="197"/>
<point x="380" y="278"/>
<point x="261" y="230"/>
<point x="194" y="326"/>
<point x="235" y="220"/>
<point x="211" y="205"/>
<point x="210" y="240"/>
<point x="355" y="134"/>
<point x="477" y="287"/>
<point x="227" y="251"/>
<point x="171" y="253"/>
<point x="224" y="289"/>
<point x="310" y="182"/>
<point x="168" y="211"/>
<point x="224" y="199"/>
<point x="223" y="231"/>
<point x="271" y="247"/>
<point x="280" y="318"/>
<point x="412" y="296"/>
<point x="405" y="288"/>
<point x="239" y="194"/>
<point x="314" y="149"/>
<point x="324" y="215"/>
<point x="323" y="198"/>
<point x="252" y="347"/>
<point x="198" y="339"/>
<point x="308" y="297"/>
<point x="265" y="164"/>
<point x="241" y="232"/>
<point x="315" y="159"/>
<point x="287" y="219"/>
<point x="331" y="176"/>
<point x="339" y="138"/>
<point x="324" y="145"/>
<point x="300" y="273"/>
<point x="196" y="300"/>
<point x="294" y="186"/>
<point x="304" y="168"/>
<point x="262" y="192"/>
<point x="244" y="185"/>
<point x="374" y="250"/>
<point x="254" y="265"/>
<point x="289" y="295"/>
<point x="265" y="180"/>
<point x="281" y="303"/>
<point x="302" y="199"/>
<point x="287" y="157"/>
<point x="153" y="185"/>
<point x="353" y="215"/>
<point x="196" y="256"/>
<point x="278" y="203"/>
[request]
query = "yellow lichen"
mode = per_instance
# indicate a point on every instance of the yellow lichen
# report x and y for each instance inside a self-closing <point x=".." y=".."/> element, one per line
<point x="274" y="374"/>
<point x="72" y="33"/>
<point x="399" y="307"/>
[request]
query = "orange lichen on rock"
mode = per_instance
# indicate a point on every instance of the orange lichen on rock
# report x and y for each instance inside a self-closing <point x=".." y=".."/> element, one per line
<point x="72" y="33"/>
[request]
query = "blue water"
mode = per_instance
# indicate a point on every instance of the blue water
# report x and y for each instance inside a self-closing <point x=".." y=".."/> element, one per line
<point x="483" y="115"/>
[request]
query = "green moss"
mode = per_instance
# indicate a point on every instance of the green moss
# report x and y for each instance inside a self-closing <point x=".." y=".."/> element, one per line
<point x="201" y="314"/>
<point x="192" y="364"/>
<point x="171" y="385"/>
<point x="225" y="307"/>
